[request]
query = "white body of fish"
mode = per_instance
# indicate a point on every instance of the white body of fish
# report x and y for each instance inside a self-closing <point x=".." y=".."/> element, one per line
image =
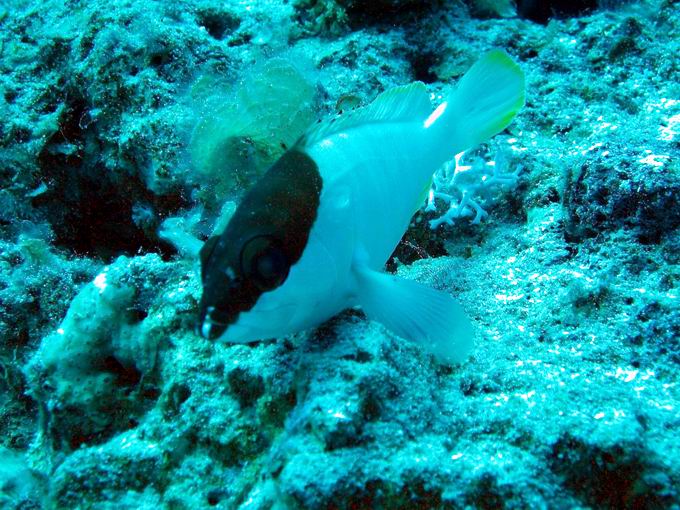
<point x="375" y="166"/>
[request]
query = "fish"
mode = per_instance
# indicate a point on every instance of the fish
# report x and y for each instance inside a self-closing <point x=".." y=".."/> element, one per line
<point x="311" y="238"/>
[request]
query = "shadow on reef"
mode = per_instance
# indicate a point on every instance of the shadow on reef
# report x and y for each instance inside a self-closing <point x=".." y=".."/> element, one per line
<point x="619" y="476"/>
<point x="541" y="11"/>
<point x="94" y="210"/>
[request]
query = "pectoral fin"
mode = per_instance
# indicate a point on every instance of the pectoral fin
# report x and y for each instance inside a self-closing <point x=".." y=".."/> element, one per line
<point x="416" y="312"/>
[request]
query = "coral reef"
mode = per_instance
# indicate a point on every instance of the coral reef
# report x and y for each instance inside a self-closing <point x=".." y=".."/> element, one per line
<point x="131" y="129"/>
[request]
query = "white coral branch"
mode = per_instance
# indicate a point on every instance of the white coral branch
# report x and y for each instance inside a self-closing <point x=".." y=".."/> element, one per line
<point x="464" y="187"/>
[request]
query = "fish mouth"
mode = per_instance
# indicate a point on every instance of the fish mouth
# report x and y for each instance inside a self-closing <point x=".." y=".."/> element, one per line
<point x="246" y="328"/>
<point x="210" y="329"/>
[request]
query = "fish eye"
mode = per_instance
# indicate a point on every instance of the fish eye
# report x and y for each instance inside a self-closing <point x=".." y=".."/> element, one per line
<point x="264" y="262"/>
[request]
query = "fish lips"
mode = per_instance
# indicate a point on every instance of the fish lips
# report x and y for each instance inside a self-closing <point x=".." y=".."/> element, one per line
<point x="208" y="326"/>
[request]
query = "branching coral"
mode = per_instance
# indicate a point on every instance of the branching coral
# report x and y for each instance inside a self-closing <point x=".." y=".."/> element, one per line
<point x="466" y="188"/>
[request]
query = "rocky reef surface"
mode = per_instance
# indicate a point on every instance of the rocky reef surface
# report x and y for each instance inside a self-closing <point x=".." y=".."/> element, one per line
<point x="132" y="128"/>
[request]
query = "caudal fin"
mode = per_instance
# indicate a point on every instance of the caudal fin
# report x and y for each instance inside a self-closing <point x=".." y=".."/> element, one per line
<point x="484" y="102"/>
<point x="416" y="312"/>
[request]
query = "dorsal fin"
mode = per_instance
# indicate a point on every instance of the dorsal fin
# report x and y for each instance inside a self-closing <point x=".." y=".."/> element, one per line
<point x="399" y="104"/>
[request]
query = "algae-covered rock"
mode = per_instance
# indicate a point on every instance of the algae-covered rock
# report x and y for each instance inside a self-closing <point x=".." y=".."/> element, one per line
<point x="244" y="130"/>
<point x="20" y="486"/>
<point x="122" y="116"/>
<point x="92" y="376"/>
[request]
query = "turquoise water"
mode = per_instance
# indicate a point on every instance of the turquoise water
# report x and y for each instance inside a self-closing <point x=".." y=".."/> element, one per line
<point x="131" y="132"/>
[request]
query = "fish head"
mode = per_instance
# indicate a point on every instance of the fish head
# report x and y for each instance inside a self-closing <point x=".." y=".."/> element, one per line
<point x="235" y="276"/>
<point x="244" y="266"/>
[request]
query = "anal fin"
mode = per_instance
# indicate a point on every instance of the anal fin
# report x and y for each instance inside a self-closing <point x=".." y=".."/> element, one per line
<point x="416" y="312"/>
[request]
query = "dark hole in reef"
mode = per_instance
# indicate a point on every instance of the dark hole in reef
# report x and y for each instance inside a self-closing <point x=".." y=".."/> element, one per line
<point x="125" y="376"/>
<point x="359" y="356"/>
<point x="364" y="356"/>
<point x="49" y="102"/>
<point x="173" y="399"/>
<point x="89" y="207"/>
<point x="54" y="54"/>
<point x="11" y="95"/>
<point x="421" y="495"/>
<point x="553" y="195"/>
<point x="371" y="407"/>
<point x="529" y="53"/>
<point x="21" y="338"/>
<point x="278" y="408"/>
<point x="485" y="494"/>
<point x="160" y="58"/>
<point x="612" y="477"/>
<point x="78" y="439"/>
<point x="373" y="495"/>
<point x="422" y="64"/>
<point x="151" y="393"/>
<point x="246" y="386"/>
<point x="182" y="394"/>
<point x="217" y="23"/>
<point x="380" y="12"/>
<point x="21" y="134"/>
<point x="215" y="496"/>
<point x="419" y="242"/>
<point x="541" y="11"/>
<point x="137" y="314"/>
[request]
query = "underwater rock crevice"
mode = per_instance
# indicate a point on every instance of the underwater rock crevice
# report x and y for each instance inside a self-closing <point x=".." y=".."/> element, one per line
<point x="92" y="210"/>
<point x="619" y="476"/>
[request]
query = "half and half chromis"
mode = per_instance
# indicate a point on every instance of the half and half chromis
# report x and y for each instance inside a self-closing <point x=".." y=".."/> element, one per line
<point x="312" y="237"/>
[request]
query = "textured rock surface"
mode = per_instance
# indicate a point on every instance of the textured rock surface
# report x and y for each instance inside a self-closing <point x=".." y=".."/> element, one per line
<point x="109" y="400"/>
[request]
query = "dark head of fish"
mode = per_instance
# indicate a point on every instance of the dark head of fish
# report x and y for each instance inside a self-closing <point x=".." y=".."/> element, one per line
<point x="234" y="275"/>
<point x="264" y="239"/>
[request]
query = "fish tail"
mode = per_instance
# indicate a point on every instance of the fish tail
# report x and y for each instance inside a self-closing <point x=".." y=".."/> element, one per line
<point x="485" y="101"/>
